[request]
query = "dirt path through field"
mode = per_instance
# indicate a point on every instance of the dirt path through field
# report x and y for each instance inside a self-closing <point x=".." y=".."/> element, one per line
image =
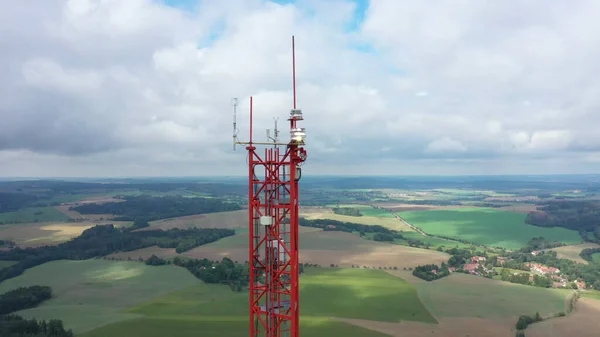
<point x="583" y="322"/>
<point x="419" y="230"/>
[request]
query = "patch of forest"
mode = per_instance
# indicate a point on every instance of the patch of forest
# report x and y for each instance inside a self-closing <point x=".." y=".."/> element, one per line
<point x="10" y="202"/>
<point x="582" y="216"/>
<point x="7" y="243"/>
<point x="381" y="233"/>
<point x="106" y="239"/>
<point x="25" y="298"/>
<point x="154" y="208"/>
<point x="431" y="272"/>
<point x="17" y="326"/>
<point x="539" y="243"/>
<point x="587" y="253"/>
<point x="349" y="211"/>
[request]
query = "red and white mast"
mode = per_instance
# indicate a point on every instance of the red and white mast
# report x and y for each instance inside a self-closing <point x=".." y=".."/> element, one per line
<point x="273" y="226"/>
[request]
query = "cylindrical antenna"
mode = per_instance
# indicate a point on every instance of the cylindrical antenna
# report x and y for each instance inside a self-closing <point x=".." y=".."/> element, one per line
<point x="250" y="120"/>
<point x="234" y="101"/>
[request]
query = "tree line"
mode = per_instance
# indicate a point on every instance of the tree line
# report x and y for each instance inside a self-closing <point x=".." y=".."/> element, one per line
<point x="17" y="326"/>
<point x="25" y="298"/>
<point x="153" y="208"/>
<point x="11" y="201"/>
<point x="102" y="240"/>
<point x="236" y="275"/>
<point x="587" y="253"/>
<point x="381" y="233"/>
<point x="581" y="216"/>
<point x="539" y="243"/>
<point x="7" y="243"/>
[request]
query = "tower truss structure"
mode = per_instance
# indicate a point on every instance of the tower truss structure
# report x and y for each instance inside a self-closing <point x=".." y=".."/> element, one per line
<point x="274" y="174"/>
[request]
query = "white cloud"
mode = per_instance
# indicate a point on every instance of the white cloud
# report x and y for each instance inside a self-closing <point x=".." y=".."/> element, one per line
<point x="445" y="145"/>
<point x="109" y="87"/>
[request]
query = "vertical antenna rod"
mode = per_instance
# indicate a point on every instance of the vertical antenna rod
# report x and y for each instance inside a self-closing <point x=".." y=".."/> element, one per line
<point x="234" y="121"/>
<point x="250" y="120"/>
<point x="294" y="69"/>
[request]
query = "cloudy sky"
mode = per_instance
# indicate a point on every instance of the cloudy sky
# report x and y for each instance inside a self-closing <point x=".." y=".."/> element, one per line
<point x="144" y="87"/>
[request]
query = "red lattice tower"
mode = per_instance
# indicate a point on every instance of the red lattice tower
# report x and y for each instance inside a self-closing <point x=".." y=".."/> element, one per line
<point x="273" y="226"/>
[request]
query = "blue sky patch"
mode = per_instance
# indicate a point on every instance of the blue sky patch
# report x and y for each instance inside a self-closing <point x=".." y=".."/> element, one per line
<point x="182" y="4"/>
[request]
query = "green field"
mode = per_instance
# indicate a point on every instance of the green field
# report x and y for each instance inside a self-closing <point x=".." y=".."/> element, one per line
<point x="213" y="310"/>
<point x="4" y="264"/>
<point x="310" y="239"/>
<point x="220" y="327"/>
<point x="593" y="294"/>
<point x="33" y="214"/>
<point x="596" y="257"/>
<point x="490" y="227"/>
<point x="91" y="293"/>
<point x="359" y="293"/>
<point x="461" y="295"/>
<point x="434" y="243"/>
<point x="108" y="298"/>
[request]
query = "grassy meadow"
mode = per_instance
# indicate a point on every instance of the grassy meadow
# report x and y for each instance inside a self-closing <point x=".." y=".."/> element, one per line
<point x="40" y="233"/>
<point x="91" y="293"/>
<point x="4" y="264"/>
<point x="108" y="298"/>
<point x="213" y="310"/>
<point x="33" y="214"/>
<point x="572" y="252"/>
<point x="485" y="226"/>
<point x="462" y="295"/>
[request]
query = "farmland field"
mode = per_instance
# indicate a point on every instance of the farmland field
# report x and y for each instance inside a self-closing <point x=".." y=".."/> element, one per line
<point x="158" y="326"/>
<point x="466" y="305"/>
<point x="88" y="294"/>
<point x="484" y="226"/>
<point x="484" y="298"/>
<point x="38" y="234"/>
<point x="583" y="322"/>
<point x="4" y="264"/>
<point x="232" y="219"/>
<point x="596" y="257"/>
<point x="362" y="294"/>
<point x="390" y="222"/>
<point x="324" y="248"/>
<point x="33" y="214"/>
<point x="572" y="252"/>
<point x="214" y="310"/>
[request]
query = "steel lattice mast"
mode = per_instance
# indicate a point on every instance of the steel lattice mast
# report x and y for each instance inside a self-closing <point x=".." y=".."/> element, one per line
<point x="273" y="226"/>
